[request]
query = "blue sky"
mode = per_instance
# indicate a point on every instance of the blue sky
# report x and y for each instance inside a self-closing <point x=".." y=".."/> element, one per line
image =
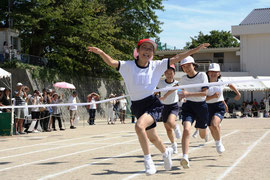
<point x="185" y="18"/>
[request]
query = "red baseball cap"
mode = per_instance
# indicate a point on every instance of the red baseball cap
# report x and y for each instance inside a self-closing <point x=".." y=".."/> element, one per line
<point x="147" y="41"/>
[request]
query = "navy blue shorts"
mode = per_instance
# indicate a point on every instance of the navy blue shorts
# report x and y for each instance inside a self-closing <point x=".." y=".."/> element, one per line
<point x="216" y="109"/>
<point x="150" y="105"/>
<point x="198" y="111"/>
<point x="169" y="109"/>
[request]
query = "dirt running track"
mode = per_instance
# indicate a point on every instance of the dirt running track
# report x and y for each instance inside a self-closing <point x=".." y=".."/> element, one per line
<point x="113" y="152"/>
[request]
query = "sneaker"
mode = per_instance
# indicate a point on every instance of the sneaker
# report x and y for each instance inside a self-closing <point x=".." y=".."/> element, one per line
<point x="35" y="131"/>
<point x="206" y="137"/>
<point x="61" y="129"/>
<point x="177" y="132"/>
<point x="174" y="147"/>
<point x="220" y="148"/>
<point x="17" y="133"/>
<point x="167" y="158"/>
<point x="54" y="129"/>
<point x="72" y="127"/>
<point x="150" y="167"/>
<point x="185" y="163"/>
<point x="195" y="134"/>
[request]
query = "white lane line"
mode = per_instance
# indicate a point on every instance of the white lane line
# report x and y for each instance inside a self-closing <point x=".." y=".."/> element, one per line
<point x="86" y="165"/>
<point x="66" y="155"/>
<point x="39" y="144"/>
<point x="243" y="156"/>
<point x="134" y="175"/>
<point x="176" y="157"/>
<point x="60" y="147"/>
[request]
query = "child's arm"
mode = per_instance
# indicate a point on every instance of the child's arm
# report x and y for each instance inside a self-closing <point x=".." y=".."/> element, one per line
<point x="216" y="95"/>
<point x="226" y="106"/>
<point x="185" y="54"/>
<point x="238" y="94"/>
<point x="108" y="60"/>
<point x="194" y="94"/>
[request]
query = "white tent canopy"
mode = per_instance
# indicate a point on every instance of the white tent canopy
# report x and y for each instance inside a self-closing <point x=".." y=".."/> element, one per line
<point x="245" y="86"/>
<point x="265" y="83"/>
<point x="4" y="73"/>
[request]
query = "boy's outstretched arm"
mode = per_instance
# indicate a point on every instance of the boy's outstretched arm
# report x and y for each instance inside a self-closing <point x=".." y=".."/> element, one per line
<point x="108" y="60"/>
<point x="185" y="54"/>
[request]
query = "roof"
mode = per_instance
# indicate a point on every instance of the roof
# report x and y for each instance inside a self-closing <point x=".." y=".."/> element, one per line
<point x="266" y="83"/>
<point x="257" y="16"/>
<point x="207" y="50"/>
<point x="4" y="74"/>
<point x="247" y="85"/>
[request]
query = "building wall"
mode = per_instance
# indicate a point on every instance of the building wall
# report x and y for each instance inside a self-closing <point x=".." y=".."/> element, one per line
<point x="203" y="56"/>
<point x="255" y="54"/>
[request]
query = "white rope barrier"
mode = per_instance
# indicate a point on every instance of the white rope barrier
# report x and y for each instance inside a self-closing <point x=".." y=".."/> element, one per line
<point x="120" y="97"/>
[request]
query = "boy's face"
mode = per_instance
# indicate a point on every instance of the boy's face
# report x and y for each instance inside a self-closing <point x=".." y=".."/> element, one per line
<point x="146" y="51"/>
<point x="188" y="68"/>
<point x="169" y="74"/>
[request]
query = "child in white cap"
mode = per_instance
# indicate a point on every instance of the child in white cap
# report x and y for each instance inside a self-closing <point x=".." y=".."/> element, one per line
<point x="217" y="105"/>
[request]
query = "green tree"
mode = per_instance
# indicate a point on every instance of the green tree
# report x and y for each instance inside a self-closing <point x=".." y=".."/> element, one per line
<point x="62" y="30"/>
<point x="217" y="39"/>
<point x="137" y="20"/>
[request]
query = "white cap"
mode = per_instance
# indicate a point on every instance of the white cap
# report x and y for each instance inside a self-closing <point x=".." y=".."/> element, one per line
<point x="2" y="88"/>
<point x="214" y="67"/>
<point x="19" y="84"/>
<point x="187" y="60"/>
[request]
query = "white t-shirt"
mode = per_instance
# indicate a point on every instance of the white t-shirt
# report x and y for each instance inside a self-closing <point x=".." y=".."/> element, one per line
<point x="216" y="89"/>
<point x="200" y="77"/>
<point x="94" y="105"/>
<point x="123" y="104"/>
<point x="72" y="100"/>
<point x="172" y="98"/>
<point x="35" y="101"/>
<point x="142" y="81"/>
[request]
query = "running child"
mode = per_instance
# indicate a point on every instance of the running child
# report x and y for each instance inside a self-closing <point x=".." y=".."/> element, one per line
<point x="141" y="77"/>
<point x="217" y="105"/>
<point x="195" y="107"/>
<point x="171" y="108"/>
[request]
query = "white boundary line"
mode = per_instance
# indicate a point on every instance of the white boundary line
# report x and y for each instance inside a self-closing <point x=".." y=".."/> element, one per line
<point x="90" y="164"/>
<point x="191" y="150"/>
<point x="243" y="156"/>
<point x="86" y="165"/>
<point x="22" y="147"/>
<point x="65" y="146"/>
<point x="66" y="155"/>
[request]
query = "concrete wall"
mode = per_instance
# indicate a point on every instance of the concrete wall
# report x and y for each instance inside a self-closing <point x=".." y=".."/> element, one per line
<point x="255" y="54"/>
<point x="84" y="86"/>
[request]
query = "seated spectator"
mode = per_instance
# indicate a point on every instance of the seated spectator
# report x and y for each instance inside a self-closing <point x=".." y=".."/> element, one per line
<point x="6" y="100"/>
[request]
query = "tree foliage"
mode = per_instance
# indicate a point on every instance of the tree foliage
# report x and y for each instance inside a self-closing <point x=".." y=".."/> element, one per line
<point x="217" y="39"/>
<point x="62" y="29"/>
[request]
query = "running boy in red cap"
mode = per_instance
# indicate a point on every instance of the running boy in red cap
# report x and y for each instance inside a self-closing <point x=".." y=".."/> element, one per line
<point x="141" y="77"/>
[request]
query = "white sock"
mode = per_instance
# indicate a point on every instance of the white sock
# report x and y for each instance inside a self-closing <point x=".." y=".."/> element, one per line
<point x="218" y="143"/>
<point x="185" y="156"/>
<point x="147" y="157"/>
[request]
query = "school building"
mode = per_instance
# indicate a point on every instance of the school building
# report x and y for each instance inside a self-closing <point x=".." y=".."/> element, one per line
<point x="250" y="60"/>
